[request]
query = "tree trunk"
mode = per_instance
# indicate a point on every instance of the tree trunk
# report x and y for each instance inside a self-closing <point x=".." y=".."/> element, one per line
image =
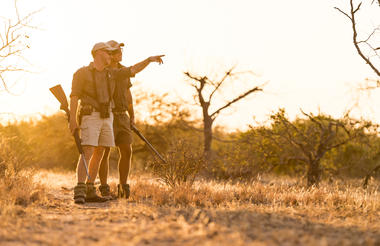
<point x="207" y="132"/>
<point x="313" y="173"/>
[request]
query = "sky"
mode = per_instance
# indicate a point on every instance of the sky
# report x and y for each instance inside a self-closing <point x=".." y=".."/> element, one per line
<point x="300" y="49"/>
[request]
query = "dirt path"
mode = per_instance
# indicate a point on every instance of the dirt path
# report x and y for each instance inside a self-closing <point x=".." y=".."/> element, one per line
<point x="120" y="222"/>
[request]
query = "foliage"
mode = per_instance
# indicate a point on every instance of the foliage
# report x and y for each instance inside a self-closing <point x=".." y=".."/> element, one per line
<point x="282" y="147"/>
<point x="15" y="148"/>
<point x="47" y="142"/>
<point x="241" y="159"/>
<point x="339" y="147"/>
<point x="58" y="145"/>
<point x="307" y="142"/>
<point x="167" y="120"/>
<point x="16" y="181"/>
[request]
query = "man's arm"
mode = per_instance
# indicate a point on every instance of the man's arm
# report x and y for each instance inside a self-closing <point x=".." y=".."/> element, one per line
<point x="73" y="113"/>
<point x="130" y="110"/>
<point x="76" y="91"/>
<point x="138" y="67"/>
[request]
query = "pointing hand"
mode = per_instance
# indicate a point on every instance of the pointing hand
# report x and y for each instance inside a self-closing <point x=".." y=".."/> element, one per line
<point x="156" y="59"/>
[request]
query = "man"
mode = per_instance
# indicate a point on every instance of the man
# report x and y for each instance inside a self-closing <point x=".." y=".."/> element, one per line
<point x="122" y="122"/>
<point x="93" y="86"/>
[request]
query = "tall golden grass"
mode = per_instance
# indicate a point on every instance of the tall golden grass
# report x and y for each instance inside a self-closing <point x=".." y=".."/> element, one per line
<point x="342" y="198"/>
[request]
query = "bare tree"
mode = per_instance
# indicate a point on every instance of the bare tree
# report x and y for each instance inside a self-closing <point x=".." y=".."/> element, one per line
<point x="365" y="47"/>
<point x="205" y="91"/>
<point x="14" y="40"/>
<point x="307" y="141"/>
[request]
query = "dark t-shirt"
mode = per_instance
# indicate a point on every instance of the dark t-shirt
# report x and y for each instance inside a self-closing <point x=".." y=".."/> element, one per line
<point x="123" y="83"/>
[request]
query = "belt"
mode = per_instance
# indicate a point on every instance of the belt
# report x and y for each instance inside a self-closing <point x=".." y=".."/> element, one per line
<point x="119" y="112"/>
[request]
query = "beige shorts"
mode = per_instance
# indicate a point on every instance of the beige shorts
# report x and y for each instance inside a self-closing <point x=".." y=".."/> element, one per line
<point x="96" y="131"/>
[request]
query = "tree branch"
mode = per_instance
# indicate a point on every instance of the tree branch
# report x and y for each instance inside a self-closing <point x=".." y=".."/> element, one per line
<point x="227" y="74"/>
<point x="13" y="43"/>
<point x="355" y="35"/>
<point x="235" y="100"/>
<point x="343" y="12"/>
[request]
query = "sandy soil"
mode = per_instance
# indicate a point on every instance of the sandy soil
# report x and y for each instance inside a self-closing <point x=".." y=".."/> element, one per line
<point x="120" y="222"/>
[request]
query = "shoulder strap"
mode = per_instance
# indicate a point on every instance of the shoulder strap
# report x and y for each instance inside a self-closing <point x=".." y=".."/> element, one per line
<point x="95" y="87"/>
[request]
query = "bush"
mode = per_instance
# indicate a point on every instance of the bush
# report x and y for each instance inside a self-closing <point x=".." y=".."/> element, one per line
<point x="344" y="147"/>
<point x="183" y="163"/>
<point x="16" y="181"/>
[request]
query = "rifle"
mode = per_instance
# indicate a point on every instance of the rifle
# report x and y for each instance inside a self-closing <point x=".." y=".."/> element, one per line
<point x="61" y="97"/>
<point x="147" y="142"/>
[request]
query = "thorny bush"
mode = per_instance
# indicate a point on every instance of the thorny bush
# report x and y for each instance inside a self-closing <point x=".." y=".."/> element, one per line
<point x="183" y="163"/>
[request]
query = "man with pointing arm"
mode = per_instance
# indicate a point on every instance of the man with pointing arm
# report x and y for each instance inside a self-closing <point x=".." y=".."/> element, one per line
<point x="122" y="122"/>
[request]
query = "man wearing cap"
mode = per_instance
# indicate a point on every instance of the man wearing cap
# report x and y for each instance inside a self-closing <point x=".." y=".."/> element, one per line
<point x="122" y="122"/>
<point x="93" y="86"/>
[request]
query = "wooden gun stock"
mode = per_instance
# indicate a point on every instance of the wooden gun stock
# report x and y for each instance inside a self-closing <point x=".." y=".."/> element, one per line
<point x="60" y="95"/>
<point x="62" y="99"/>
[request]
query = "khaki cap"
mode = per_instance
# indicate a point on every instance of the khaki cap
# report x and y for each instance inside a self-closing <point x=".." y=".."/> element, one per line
<point x="102" y="46"/>
<point x="115" y="44"/>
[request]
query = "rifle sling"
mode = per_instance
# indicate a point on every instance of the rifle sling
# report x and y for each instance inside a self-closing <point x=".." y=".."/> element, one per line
<point x="96" y="88"/>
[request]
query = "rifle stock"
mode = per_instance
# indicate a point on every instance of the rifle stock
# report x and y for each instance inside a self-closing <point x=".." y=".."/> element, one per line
<point x="60" y="95"/>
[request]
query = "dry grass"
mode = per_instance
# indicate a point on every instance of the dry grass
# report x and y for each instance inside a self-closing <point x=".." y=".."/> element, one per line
<point x="279" y="212"/>
<point x="340" y="198"/>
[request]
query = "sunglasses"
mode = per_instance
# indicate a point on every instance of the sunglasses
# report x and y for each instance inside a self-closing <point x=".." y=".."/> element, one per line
<point x="114" y="52"/>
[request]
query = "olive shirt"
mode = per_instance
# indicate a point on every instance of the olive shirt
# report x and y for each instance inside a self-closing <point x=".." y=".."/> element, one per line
<point x="123" y="83"/>
<point x="93" y="87"/>
<point x="121" y="121"/>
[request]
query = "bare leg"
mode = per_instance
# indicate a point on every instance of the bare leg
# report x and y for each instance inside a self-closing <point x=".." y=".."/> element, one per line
<point x="95" y="163"/>
<point x="104" y="167"/>
<point x="81" y="170"/>
<point x="125" y="151"/>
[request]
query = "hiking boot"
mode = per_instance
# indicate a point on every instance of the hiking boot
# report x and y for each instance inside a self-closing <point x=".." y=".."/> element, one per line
<point x="105" y="192"/>
<point x="123" y="191"/>
<point x="91" y="195"/>
<point x="80" y="193"/>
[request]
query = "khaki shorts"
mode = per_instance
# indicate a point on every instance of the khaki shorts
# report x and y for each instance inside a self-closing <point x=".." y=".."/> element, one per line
<point x="96" y="131"/>
<point x="122" y="129"/>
